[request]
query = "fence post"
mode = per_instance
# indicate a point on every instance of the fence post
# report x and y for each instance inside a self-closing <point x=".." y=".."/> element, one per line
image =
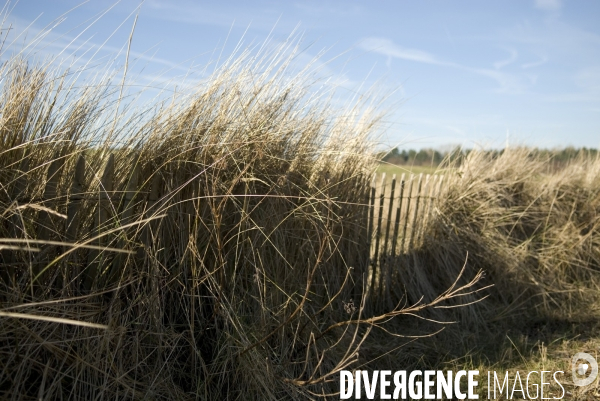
<point x="127" y="206"/>
<point x="385" y="258"/>
<point x="75" y="198"/>
<point x="407" y="213"/>
<point x="371" y="217"/>
<point x="397" y="219"/>
<point x="414" y="219"/>
<point x="45" y="229"/>
<point x="152" y="199"/>
<point x="96" y="257"/>
<point x="153" y="268"/>
<point x="376" y="278"/>
<point x="8" y="273"/>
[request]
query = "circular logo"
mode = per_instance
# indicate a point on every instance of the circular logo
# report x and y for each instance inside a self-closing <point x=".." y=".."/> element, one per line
<point x="581" y="369"/>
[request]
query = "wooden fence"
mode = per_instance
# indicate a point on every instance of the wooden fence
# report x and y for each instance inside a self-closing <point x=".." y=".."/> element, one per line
<point x="399" y="211"/>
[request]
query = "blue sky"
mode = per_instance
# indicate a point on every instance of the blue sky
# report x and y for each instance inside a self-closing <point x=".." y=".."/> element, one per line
<point x="472" y="73"/>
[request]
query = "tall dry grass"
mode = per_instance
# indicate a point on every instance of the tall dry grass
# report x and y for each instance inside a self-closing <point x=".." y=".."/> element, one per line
<point x="535" y="233"/>
<point x="210" y="246"/>
<point x="214" y="245"/>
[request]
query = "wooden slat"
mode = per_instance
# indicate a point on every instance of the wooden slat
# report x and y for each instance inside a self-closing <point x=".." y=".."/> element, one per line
<point x="21" y="180"/>
<point x="360" y="240"/>
<point x="364" y="273"/>
<point x="371" y="219"/>
<point x="149" y="210"/>
<point x="126" y="212"/>
<point x="389" y="216"/>
<point x="416" y="212"/>
<point x="407" y="212"/>
<point x="378" y="233"/>
<point x="385" y="265"/>
<point x="46" y="229"/>
<point x="17" y="229"/>
<point x="397" y="223"/>
<point x="96" y="261"/>
<point x="395" y="238"/>
<point x="76" y="197"/>
<point x="147" y="232"/>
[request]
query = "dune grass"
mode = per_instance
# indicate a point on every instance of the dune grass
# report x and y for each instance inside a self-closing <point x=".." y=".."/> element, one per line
<point x="214" y="246"/>
<point x="536" y="235"/>
<point x="211" y="246"/>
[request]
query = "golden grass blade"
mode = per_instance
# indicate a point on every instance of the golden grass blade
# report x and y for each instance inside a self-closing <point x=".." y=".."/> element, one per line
<point x="50" y="319"/>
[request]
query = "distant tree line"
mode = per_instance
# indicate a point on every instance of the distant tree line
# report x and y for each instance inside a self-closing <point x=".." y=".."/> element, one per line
<point x="423" y="157"/>
<point x="433" y="157"/>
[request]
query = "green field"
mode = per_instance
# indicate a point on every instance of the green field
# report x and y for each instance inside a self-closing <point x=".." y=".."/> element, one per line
<point x="391" y="169"/>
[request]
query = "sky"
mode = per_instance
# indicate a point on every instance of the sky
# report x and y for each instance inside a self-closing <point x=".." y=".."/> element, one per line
<point x="470" y="73"/>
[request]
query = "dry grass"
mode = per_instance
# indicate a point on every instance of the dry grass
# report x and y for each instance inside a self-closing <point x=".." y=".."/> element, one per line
<point x="225" y="253"/>
<point x="536" y="236"/>
<point x="213" y="246"/>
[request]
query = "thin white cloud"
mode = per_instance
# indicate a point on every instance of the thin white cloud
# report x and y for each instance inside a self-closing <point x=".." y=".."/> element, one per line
<point x="388" y="48"/>
<point x="508" y="83"/>
<point x="548" y="5"/>
<point x="511" y="59"/>
<point x="537" y="63"/>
